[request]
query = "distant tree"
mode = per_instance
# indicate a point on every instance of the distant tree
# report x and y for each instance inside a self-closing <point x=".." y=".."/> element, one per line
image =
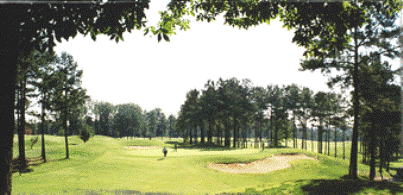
<point x="293" y="101"/>
<point x="128" y="119"/>
<point x="162" y="123"/>
<point x="104" y="111"/>
<point x="172" y="126"/>
<point x="191" y="111"/>
<point x="319" y="111"/>
<point x="304" y="112"/>
<point x="152" y="123"/>
<point x="208" y="101"/>
<point x="261" y="100"/>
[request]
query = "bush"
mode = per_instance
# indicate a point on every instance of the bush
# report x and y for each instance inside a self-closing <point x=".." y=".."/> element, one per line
<point x="86" y="132"/>
<point x="60" y="132"/>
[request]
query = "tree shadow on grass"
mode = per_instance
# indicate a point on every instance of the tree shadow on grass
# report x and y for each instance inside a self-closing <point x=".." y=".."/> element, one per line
<point x="347" y="186"/>
<point x="31" y="162"/>
<point x="201" y="146"/>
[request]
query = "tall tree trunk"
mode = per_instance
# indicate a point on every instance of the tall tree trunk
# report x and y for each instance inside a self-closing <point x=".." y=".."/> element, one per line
<point x="9" y="41"/>
<point x="372" y="150"/>
<point x="257" y="134"/>
<point x="312" y="139"/>
<point x="320" y="135"/>
<point x="382" y="155"/>
<point x="21" y="140"/>
<point x="239" y="136"/>
<point x="210" y="132"/>
<point x="275" y="134"/>
<point x="303" y="137"/>
<point x="190" y="135"/>
<point x="245" y="140"/>
<point x="235" y="134"/>
<point x="296" y="137"/>
<point x="335" y="142"/>
<point x="43" y="129"/>
<point x="186" y="133"/>
<point x="21" y="129"/>
<point x="352" y="171"/>
<point x="328" y="140"/>
<point x="344" y="144"/>
<point x="195" y="133"/>
<point x="227" y="135"/>
<point x="221" y="136"/>
<point x="202" y="136"/>
<point x="216" y="133"/>
<point x="66" y="132"/>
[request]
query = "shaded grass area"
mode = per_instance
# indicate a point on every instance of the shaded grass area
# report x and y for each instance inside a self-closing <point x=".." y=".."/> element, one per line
<point x="326" y="186"/>
<point x="104" y="166"/>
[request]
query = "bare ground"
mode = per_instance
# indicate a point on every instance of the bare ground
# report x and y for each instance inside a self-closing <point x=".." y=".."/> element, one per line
<point x="261" y="166"/>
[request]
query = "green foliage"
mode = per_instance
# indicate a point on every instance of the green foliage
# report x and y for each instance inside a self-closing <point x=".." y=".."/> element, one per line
<point x="127" y="119"/>
<point x="86" y="132"/>
<point x="60" y="132"/>
<point x="104" y="111"/>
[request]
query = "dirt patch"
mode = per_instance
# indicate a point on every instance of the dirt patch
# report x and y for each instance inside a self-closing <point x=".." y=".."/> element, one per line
<point x="141" y="147"/>
<point x="261" y="166"/>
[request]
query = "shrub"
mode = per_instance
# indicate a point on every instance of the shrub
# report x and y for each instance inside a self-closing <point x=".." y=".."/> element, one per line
<point x="60" y="132"/>
<point x="86" y="132"/>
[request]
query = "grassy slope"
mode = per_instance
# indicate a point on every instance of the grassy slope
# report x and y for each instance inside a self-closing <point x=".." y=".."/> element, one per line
<point x="104" y="166"/>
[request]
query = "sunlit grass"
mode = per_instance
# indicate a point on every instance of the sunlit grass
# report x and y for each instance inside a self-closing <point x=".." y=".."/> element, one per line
<point x="105" y="165"/>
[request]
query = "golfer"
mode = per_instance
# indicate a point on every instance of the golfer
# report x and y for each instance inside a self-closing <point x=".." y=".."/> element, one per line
<point x="176" y="147"/>
<point x="165" y="151"/>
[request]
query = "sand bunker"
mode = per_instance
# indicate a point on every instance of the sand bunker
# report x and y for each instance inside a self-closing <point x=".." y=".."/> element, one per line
<point x="261" y="166"/>
<point x="141" y="147"/>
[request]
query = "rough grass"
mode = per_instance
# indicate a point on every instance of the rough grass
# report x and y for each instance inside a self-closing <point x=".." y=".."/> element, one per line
<point x="104" y="166"/>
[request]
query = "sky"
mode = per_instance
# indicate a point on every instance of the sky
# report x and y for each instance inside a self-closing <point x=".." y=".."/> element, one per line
<point x="151" y="74"/>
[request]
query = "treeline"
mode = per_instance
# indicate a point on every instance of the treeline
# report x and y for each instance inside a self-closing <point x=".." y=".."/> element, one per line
<point x="235" y="110"/>
<point x="129" y="120"/>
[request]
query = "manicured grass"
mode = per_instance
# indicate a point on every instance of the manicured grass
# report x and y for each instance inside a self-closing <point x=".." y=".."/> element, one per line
<point x="104" y="165"/>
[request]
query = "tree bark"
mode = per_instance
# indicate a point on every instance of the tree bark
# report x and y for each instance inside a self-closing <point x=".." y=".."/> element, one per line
<point x="320" y="135"/>
<point x="43" y="129"/>
<point x="312" y="140"/>
<point x="202" y="136"/>
<point x="66" y="139"/>
<point x="335" y="142"/>
<point x="344" y="144"/>
<point x="190" y="135"/>
<point x="328" y="140"/>
<point x="210" y="132"/>
<point x="275" y="134"/>
<point x="195" y="133"/>
<point x="21" y="129"/>
<point x="227" y="134"/>
<point x="372" y="147"/>
<point x="9" y="44"/>
<point x="234" y="134"/>
<point x="352" y="171"/>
